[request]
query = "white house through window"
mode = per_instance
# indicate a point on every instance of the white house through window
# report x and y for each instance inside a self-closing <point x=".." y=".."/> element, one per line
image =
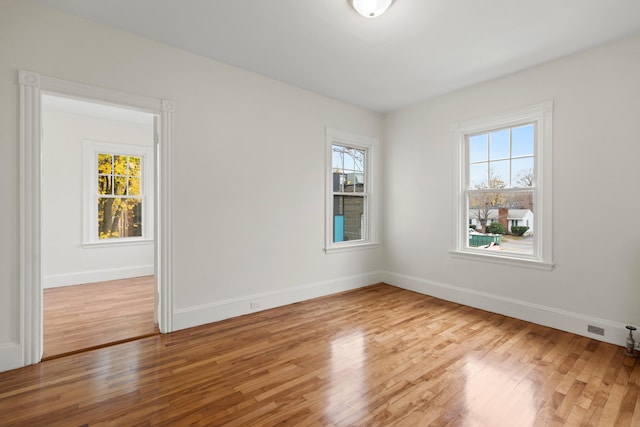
<point x="503" y="186"/>
<point x="500" y="187"/>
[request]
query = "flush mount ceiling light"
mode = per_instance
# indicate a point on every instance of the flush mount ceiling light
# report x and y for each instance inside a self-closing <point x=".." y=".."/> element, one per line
<point x="371" y="8"/>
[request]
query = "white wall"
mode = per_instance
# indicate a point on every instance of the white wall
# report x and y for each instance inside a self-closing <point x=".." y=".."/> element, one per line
<point x="65" y="261"/>
<point x="248" y="167"/>
<point x="595" y="171"/>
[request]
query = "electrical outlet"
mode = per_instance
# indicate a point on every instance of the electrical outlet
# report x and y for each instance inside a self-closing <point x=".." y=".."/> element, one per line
<point x="254" y="304"/>
<point x="595" y="330"/>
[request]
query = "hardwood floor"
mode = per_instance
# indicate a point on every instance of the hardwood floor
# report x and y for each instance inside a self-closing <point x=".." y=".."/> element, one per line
<point x="88" y="316"/>
<point x="376" y="356"/>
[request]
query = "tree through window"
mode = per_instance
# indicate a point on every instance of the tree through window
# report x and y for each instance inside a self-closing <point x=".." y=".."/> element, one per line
<point x="119" y="196"/>
<point x="118" y="192"/>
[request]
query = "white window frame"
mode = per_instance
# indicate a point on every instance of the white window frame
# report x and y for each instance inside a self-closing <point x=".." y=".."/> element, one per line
<point x="90" y="150"/>
<point x="369" y="229"/>
<point x="542" y="116"/>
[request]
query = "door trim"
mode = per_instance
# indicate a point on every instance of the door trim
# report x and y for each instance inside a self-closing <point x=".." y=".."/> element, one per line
<point x="32" y="86"/>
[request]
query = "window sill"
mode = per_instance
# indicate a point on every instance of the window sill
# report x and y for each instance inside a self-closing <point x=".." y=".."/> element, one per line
<point x="119" y="242"/>
<point x="351" y="247"/>
<point x="504" y="259"/>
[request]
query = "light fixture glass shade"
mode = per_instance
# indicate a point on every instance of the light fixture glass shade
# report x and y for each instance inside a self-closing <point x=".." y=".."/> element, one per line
<point x="371" y="8"/>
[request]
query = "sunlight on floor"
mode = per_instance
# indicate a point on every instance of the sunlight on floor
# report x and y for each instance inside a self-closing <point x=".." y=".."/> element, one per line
<point x="498" y="392"/>
<point x="348" y="387"/>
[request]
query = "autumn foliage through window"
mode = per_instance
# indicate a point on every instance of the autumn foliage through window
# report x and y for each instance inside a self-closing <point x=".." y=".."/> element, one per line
<point x="119" y="196"/>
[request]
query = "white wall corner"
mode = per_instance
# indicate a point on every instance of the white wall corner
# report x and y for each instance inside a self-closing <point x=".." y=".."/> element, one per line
<point x="225" y="309"/>
<point x="10" y="356"/>
<point x="615" y="332"/>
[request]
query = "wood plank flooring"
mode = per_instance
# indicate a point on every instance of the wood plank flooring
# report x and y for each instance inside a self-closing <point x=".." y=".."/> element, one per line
<point x="81" y="317"/>
<point x="377" y="356"/>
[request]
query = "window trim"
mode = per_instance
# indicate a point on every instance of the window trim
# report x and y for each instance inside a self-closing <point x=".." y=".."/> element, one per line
<point x="542" y="116"/>
<point x="370" y="146"/>
<point x="90" y="150"/>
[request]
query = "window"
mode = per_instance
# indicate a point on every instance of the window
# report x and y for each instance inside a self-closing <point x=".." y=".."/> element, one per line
<point x="503" y="179"/>
<point x="119" y="196"/>
<point x="349" y="182"/>
<point x="118" y="192"/>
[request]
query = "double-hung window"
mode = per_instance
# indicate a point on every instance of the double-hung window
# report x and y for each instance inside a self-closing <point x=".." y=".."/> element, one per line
<point x="118" y="192"/>
<point x="350" y="199"/>
<point x="502" y="182"/>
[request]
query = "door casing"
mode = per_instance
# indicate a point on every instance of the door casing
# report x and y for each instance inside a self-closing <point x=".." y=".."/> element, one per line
<point x="32" y="86"/>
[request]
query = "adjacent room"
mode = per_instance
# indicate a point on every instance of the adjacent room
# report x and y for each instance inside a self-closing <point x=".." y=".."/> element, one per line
<point x="347" y="212"/>
<point x="97" y="170"/>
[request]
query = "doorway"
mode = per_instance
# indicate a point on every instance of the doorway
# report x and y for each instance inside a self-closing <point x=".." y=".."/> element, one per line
<point x="97" y="236"/>
<point x="33" y="87"/>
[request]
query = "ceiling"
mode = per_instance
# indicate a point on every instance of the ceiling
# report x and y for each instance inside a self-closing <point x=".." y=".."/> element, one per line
<point x="417" y="50"/>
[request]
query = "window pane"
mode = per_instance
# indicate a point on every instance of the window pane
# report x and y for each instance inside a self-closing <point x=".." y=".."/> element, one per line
<point x="479" y="148"/>
<point x="499" y="144"/>
<point x="348" y="158"/>
<point x="502" y="221"/>
<point x="133" y="188"/>
<point x="119" y="217"/>
<point x="499" y="174"/>
<point x="134" y="166"/>
<point x="523" y="137"/>
<point x="348" y="218"/>
<point x="105" y="185"/>
<point x="336" y="159"/>
<point x="120" y="187"/>
<point x="358" y="160"/>
<point x="105" y="164"/>
<point x="348" y="169"/>
<point x="354" y="182"/>
<point x="338" y="182"/>
<point x="120" y="165"/>
<point x="478" y="175"/>
<point x="522" y="172"/>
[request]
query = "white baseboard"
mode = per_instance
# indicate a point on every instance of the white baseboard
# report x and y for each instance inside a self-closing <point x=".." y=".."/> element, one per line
<point x="10" y="356"/>
<point x="225" y="309"/>
<point x="82" y="277"/>
<point x="615" y="332"/>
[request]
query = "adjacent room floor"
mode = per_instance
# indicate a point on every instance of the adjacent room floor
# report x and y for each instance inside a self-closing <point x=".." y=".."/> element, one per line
<point x="81" y="317"/>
